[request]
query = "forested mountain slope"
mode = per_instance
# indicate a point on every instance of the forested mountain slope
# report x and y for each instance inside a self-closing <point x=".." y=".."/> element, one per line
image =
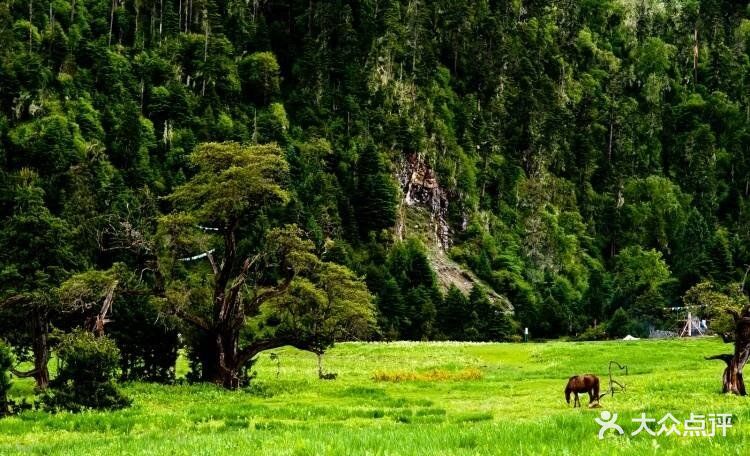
<point x="582" y="156"/>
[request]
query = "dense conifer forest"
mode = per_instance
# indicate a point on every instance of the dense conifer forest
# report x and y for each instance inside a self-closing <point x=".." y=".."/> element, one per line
<point x="230" y="176"/>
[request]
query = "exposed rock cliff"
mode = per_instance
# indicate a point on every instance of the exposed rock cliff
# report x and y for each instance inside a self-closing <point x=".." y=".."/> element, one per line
<point x="421" y="188"/>
<point x="423" y="214"/>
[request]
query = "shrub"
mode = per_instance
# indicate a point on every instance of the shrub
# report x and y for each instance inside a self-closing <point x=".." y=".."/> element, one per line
<point x="86" y="376"/>
<point x="619" y="324"/>
<point x="6" y="362"/>
<point x="593" y="333"/>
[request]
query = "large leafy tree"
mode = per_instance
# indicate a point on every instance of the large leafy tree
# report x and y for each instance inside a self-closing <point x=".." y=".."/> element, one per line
<point x="640" y="281"/>
<point x="219" y="272"/>
<point x="232" y="186"/>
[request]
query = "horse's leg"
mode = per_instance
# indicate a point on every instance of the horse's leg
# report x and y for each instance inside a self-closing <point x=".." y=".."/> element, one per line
<point x="591" y="396"/>
<point x="577" y="402"/>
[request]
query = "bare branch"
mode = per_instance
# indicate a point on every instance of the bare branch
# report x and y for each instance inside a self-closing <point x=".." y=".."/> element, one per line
<point x="13" y="300"/>
<point x="250" y="351"/>
<point x="231" y="299"/>
<point x="101" y="319"/>
<point x="230" y="250"/>
<point x="744" y="278"/>
<point x="272" y="293"/>
<point x="26" y="374"/>
<point x="140" y="276"/>
<point x="123" y="235"/>
<point x="214" y="267"/>
<point x="194" y="319"/>
<point x="727" y="358"/>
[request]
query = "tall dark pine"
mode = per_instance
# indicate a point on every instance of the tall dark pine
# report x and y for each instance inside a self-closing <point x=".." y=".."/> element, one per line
<point x="36" y="262"/>
<point x="376" y="192"/>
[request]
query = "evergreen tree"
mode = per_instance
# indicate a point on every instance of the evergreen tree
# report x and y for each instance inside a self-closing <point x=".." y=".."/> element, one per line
<point x="618" y="325"/>
<point x="37" y="260"/>
<point x="454" y="315"/>
<point x="376" y="192"/>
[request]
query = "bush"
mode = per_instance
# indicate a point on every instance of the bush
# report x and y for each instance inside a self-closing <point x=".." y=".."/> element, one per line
<point x="593" y="333"/>
<point x="619" y="324"/>
<point x="86" y="376"/>
<point x="6" y="362"/>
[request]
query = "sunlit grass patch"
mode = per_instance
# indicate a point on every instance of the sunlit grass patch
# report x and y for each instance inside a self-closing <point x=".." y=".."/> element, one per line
<point x="433" y="375"/>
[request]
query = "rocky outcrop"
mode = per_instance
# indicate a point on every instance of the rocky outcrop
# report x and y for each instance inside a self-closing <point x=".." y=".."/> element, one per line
<point x="423" y="214"/>
<point x="420" y="187"/>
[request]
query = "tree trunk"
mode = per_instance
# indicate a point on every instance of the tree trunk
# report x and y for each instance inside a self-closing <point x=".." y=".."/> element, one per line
<point x="733" y="382"/>
<point x="226" y="372"/>
<point x="222" y="359"/>
<point x="31" y="22"/>
<point x="732" y="379"/>
<point x="111" y="21"/>
<point x="229" y="361"/>
<point x="40" y="348"/>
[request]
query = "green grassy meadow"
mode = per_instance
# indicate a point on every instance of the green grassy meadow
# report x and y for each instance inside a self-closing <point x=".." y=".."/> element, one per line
<point x="516" y="407"/>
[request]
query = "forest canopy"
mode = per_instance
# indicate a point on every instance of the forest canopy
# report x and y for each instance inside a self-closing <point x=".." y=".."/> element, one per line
<point x="580" y="163"/>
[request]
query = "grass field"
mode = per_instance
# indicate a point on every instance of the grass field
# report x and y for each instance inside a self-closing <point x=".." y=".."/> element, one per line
<point x="430" y="398"/>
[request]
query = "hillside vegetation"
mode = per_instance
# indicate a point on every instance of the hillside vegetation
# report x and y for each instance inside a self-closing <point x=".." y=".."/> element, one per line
<point x="583" y="162"/>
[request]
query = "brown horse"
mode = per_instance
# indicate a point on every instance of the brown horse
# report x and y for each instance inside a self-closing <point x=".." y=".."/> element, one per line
<point x="588" y="383"/>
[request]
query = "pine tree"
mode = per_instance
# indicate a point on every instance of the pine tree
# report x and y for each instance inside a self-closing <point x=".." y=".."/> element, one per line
<point x="376" y="192"/>
<point x="454" y="315"/>
<point x="36" y="264"/>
